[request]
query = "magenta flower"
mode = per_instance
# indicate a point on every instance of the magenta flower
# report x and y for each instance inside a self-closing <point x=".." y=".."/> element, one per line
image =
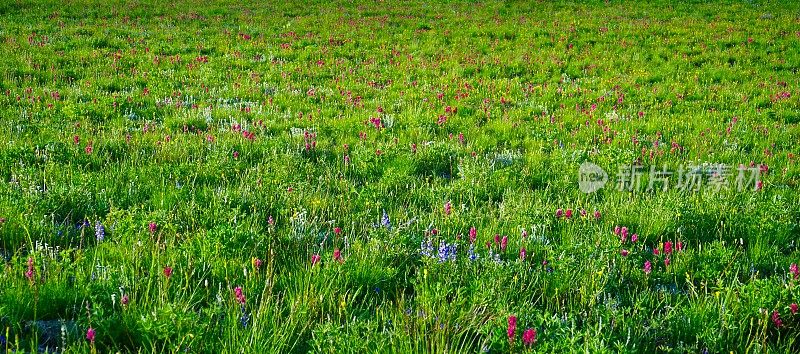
<point x="668" y="247"/>
<point x="337" y="256"/>
<point x="635" y="238"/>
<point x="776" y="319"/>
<point x="559" y="212"/>
<point x="447" y="208"/>
<point x="569" y="213"/>
<point x="793" y="308"/>
<point x="656" y="252"/>
<point x="648" y="267"/>
<point x="512" y="327"/>
<point x="257" y="262"/>
<point x="666" y="262"/>
<point x="504" y="243"/>
<point x="792" y="269"/>
<point x="522" y="253"/>
<point x="167" y="271"/>
<point x="337" y="230"/>
<point x="239" y="295"/>
<point x="624" y="233"/>
<point x="617" y="230"/>
<point x="597" y="217"/>
<point x="624" y="253"/>
<point x="31" y="270"/>
<point x="583" y="212"/>
<point x="529" y="336"/>
<point x="90" y="333"/>
<point x="125" y="300"/>
<point x="497" y="239"/>
<point x="679" y="246"/>
<point x="473" y="234"/>
<point x="315" y="259"/>
<point x="152" y="227"/>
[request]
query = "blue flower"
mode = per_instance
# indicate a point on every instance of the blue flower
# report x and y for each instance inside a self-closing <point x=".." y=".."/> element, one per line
<point x="385" y="222"/>
<point x="99" y="231"/>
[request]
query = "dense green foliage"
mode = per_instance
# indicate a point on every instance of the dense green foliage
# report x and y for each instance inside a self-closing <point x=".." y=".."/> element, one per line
<point x="233" y="144"/>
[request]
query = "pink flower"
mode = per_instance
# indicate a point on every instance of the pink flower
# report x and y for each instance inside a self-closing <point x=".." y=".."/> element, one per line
<point x="559" y="212"/>
<point x="624" y="253"/>
<point x="152" y="227"/>
<point x="235" y="154"/>
<point x="473" y="234"/>
<point x="522" y="253"/>
<point x="583" y="212"/>
<point x="167" y="271"/>
<point x="792" y="269"/>
<point x="337" y="255"/>
<point x="635" y="238"/>
<point x="447" y="208"/>
<point x="257" y="262"/>
<point x="617" y="230"/>
<point x="29" y="273"/>
<point x="239" y="295"/>
<point x="569" y="213"/>
<point x="90" y="333"/>
<point x="597" y="217"/>
<point x="512" y="327"/>
<point x="337" y="230"/>
<point x="529" y="336"/>
<point x="125" y="300"/>
<point x="497" y="239"/>
<point x="656" y="251"/>
<point x="315" y="259"/>
<point x="679" y="246"/>
<point x="666" y="262"/>
<point x="776" y="319"/>
<point x="624" y="233"/>
<point x="648" y="267"/>
<point x="668" y="247"/>
<point x="504" y="243"/>
<point x="793" y="308"/>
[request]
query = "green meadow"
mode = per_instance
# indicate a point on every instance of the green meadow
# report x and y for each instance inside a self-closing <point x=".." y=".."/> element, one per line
<point x="399" y="176"/>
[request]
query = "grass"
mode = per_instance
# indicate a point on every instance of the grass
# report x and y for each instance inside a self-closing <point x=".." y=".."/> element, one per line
<point x="234" y="144"/>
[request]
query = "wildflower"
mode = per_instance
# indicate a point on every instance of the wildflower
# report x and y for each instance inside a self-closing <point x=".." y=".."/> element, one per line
<point x="337" y="230"/>
<point x="30" y="272"/>
<point x="568" y="214"/>
<point x="635" y="238"/>
<point x="668" y="247"/>
<point x="522" y="253"/>
<point x="125" y="300"/>
<point x="617" y="230"/>
<point x="471" y="253"/>
<point x="239" y="295"/>
<point x="794" y="270"/>
<point x="152" y="227"/>
<point x="648" y="267"/>
<point x="679" y="246"/>
<point x="426" y="248"/>
<point x="529" y="336"/>
<point x="512" y="327"/>
<point x="656" y="251"/>
<point x="385" y="222"/>
<point x="315" y="259"/>
<point x="89" y="149"/>
<point x="99" y="231"/>
<point x="793" y="308"/>
<point x="257" y="262"/>
<point x="235" y="154"/>
<point x="90" y="333"/>
<point x="583" y="212"/>
<point x="596" y="217"/>
<point x="504" y="243"/>
<point x="776" y="319"/>
<point x="497" y="239"/>
<point x="666" y="262"/>
<point x="624" y="233"/>
<point x="473" y="234"/>
<point x="624" y="253"/>
<point x="167" y="271"/>
<point x="337" y="255"/>
<point x="447" y="208"/>
<point x="559" y="212"/>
